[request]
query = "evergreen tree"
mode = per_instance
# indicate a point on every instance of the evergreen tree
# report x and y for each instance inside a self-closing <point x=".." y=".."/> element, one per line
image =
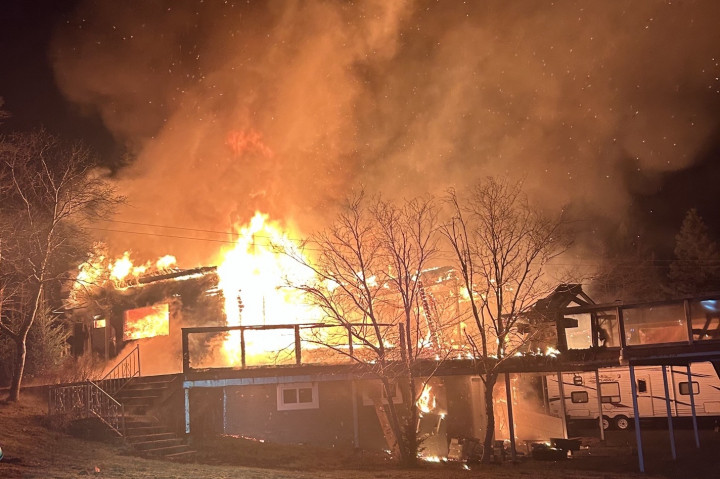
<point x="696" y="267"/>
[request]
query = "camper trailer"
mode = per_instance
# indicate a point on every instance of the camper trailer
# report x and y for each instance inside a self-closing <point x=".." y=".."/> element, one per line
<point x="581" y="400"/>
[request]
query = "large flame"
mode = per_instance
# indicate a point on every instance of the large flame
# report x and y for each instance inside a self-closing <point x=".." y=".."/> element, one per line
<point x="254" y="278"/>
<point x="427" y="402"/>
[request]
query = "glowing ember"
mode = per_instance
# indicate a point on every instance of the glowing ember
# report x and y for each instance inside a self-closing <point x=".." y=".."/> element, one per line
<point x="552" y="352"/>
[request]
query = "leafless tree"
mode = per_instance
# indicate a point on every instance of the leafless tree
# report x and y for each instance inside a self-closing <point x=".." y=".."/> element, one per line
<point x="49" y="191"/>
<point x="367" y="267"/>
<point x="501" y="247"/>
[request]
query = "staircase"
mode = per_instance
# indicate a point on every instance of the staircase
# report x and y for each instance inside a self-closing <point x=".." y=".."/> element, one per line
<point x="126" y="403"/>
<point x="143" y="431"/>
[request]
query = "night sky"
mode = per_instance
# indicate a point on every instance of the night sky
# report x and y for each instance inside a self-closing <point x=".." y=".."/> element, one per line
<point x="608" y="109"/>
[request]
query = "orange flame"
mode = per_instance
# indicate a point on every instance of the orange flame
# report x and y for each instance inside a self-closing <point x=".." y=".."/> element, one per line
<point x="146" y="322"/>
<point x="427" y="402"/>
<point x="254" y="278"/>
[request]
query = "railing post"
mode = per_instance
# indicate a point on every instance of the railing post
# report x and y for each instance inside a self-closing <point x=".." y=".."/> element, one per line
<point x="242" y="347"/>
<point x="87" y="399"/>
<point x="688" y="321"/>
<point x="350" y="341"/>
<point x="185" y="351"/>
<point x="139" y="371"/>
<point x="298" y="347"/>
<point x="621" y="325"/>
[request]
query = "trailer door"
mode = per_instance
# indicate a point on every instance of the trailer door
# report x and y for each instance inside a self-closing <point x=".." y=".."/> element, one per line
<point x="644" y="395"/>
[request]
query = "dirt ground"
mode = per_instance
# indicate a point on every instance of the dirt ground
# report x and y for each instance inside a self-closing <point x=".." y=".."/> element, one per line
<point x="32" y="450"/>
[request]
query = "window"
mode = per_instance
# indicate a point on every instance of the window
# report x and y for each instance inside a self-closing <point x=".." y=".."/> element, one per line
<point x="375" y="388"/>
<point x="610" y="392"/>
<point x="577" y="380"/>
<point x="685" y="388"/>
<point x="642" y="385"/>
<point x="579" y="396"/>
<point x="297" y="396"/>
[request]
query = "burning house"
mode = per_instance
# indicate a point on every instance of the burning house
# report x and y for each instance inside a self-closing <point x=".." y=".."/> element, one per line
<point x="291" y="382"/>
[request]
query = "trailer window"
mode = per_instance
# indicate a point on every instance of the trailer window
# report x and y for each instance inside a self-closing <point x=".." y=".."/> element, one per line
<point x="610" y="392"/>
<point x="579" y="396"/>
<point x="642" y="386"/>
<point x="685" y="388"/>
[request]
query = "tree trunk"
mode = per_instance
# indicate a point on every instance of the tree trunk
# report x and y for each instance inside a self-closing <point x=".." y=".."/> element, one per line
<point x="18" y="369"/>
<point x="21" y="345"/>
<point x="411" y="427"/>
<point x="490" y="381"/>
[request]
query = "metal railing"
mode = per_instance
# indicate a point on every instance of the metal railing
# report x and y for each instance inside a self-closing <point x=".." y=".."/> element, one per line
<point x="95" y="399"/>
<point x="301" y="343"/>
<point x="119" y="376"/>
<point x="86" y="400"/>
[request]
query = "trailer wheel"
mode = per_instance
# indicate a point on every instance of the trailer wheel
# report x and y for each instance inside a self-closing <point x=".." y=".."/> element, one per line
<point x="606" y="423"/>
<point x="622" y="422"/>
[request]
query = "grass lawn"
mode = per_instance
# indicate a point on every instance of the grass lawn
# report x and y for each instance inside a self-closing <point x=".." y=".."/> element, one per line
<point x="33" y="450"/>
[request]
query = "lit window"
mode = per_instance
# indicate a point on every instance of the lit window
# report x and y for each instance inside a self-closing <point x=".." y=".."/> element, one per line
<point x="297" y="396"/>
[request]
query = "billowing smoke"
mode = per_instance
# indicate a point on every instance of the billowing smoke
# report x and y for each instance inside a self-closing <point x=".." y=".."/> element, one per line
<point x="285" y="106"/>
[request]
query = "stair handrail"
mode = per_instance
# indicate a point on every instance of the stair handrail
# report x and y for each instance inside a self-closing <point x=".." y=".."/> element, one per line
<point x="127" y="368"/>
<point x="86" y="399"/>
<point x="106" y="408"/>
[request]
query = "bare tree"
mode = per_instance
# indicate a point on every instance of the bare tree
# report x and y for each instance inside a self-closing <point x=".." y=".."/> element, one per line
<point x="49" y="191"/>
<point x="501" y="247"/>
<point x="367" y="267"/>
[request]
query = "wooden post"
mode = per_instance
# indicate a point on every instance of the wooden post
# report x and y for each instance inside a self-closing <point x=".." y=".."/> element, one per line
<point x="298" y="346"/>
<point x="242" y="347"/>
<point x="350" y="340"/>
<point x="688" y="321"/>
<point x="356" y="427"/>
<point x="185" y="351"/>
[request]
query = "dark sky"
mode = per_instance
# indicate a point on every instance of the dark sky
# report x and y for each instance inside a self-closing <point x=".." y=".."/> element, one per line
<point x="610" y="109"/>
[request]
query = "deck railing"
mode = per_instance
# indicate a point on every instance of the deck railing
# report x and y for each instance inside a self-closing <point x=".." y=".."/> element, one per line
<point x="276" y="344"/>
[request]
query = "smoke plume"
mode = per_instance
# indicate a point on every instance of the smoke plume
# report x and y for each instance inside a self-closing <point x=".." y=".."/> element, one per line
<point x="286" y="106"/>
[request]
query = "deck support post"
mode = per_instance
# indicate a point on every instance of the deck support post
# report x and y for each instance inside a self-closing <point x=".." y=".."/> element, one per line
<point x="692" y="407"/>
<point x="599" y="403"/>
<point x="638" y="435"/>
<point x="669" y="413"/>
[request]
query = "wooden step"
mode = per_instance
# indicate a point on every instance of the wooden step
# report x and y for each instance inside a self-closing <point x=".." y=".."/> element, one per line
<point x="180" y="455"/>
<point x="153" y="445"/>
<point x="166" y="451"/>
<point x="142" y="438"/>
